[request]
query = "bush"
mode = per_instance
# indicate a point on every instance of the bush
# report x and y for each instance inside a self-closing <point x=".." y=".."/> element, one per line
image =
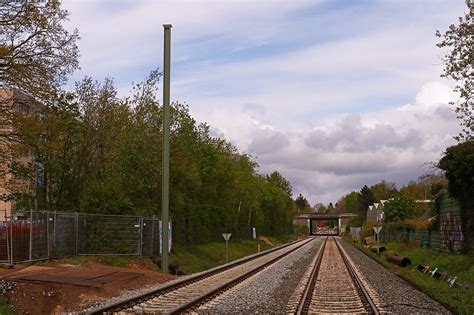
<point x="399" y="209"/>
<point x="368" y="229"/>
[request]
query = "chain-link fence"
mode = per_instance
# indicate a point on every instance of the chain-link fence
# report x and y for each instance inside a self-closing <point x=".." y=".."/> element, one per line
<point x="37" y="235"/>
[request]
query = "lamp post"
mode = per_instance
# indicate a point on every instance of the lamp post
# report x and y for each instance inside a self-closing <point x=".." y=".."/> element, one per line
<point x="166" y="148"/>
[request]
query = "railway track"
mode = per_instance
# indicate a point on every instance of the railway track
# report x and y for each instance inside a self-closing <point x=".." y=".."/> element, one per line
<point x="186" y="295"/>
<point x="332" y="284"/>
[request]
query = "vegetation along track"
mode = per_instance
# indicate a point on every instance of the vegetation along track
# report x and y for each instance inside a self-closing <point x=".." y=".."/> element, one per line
<point x="332" y="284"/>
<point x="191" y="292"/>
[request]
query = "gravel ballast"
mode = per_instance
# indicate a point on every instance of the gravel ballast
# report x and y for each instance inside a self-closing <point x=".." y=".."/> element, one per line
<point x="398" y="295"/>
<point x="267" y="291"/>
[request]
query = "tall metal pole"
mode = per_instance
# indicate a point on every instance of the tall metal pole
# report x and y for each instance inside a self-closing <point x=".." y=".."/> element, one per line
<point x="166" y="147"/>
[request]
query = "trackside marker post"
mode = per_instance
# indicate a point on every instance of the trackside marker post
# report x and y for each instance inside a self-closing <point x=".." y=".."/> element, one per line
<point x="226" y="237"/>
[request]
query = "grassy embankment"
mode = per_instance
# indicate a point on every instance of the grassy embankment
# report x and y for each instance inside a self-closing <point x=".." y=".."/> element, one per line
<point x="460" y="297"/>
<point x="184" y="259"/>
<point x="190" y="259"/>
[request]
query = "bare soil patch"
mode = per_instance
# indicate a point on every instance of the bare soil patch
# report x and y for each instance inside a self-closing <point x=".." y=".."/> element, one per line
<point x="54" y="298"/>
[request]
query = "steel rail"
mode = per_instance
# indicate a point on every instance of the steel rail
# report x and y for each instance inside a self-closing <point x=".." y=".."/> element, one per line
<point x="308" y="292"/>
<point x="140" y="298"/>
<point x="229" y="284"/>
<point x="358" y="283"/>
<point x="305" y="301"/>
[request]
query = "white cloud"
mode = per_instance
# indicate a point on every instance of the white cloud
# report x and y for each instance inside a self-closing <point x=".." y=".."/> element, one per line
<point x="315" y="89"/>
<point x="348" y="151"/>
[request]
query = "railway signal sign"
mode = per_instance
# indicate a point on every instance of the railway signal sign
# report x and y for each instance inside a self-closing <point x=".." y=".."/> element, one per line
<point x="226" y="237"/>
<point x="377" y="229"/>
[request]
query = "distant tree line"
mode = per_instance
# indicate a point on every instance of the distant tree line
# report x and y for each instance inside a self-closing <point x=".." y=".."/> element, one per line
<point x="400" y="207"/>
<point x="95" y="152"/>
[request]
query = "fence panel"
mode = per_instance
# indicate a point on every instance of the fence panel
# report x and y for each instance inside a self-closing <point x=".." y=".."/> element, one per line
<point x="147" y="239"/>
<point x="435" y="240"/>
<point x="20" y="240"/>
<point x="4" y="243"/>
<point x="37" y="235"/>
<point x="109" y="234"/>
<point x="62" y="236"/>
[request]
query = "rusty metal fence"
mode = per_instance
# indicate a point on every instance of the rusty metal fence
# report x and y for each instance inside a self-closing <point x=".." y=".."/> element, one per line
<point x="40" y="235"/>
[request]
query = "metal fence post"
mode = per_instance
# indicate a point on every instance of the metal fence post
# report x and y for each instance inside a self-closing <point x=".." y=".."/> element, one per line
<point x="140" y="248"/>
<point x="31" y="234"/>
<point x="7" y="237"/>
<point x="76" y="230"/>
<point x="152" y="235"/>
<point x="54" y="228"/>
<point x="11" y="239"/>
<point x="47" y="233"/>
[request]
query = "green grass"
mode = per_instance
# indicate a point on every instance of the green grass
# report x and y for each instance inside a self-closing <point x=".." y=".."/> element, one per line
<point x="459" y="297"/>
<point x="190" y="259"/>
<point x="5" y="308"/>
<point x="183" y="259"/>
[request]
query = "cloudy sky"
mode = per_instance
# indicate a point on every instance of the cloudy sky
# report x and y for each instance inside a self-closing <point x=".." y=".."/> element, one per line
<point x="333" y="94"/>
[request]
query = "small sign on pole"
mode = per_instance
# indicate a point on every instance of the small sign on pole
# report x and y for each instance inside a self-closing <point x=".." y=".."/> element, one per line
<point x="226" y="237"/>
<point x="377" y="230"/>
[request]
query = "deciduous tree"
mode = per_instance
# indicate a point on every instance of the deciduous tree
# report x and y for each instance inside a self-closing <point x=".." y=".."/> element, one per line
<point x="366" y="198"/>
<point x="399" y="209"/>
<point x="384" y="190"/>
<point x="36" y="51"/>
<point x="458" y="163"/>
<point x="36" y="55"/>
<point x="301" y="203"/>
<point x="459" y="66"/>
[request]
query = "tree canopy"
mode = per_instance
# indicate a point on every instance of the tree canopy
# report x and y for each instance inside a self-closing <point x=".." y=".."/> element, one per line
<point x="302" y="204"/>
<point x="399" y="209"/>
<point x="36" y="55"/>
<point x="458" y="163"/>
<point x="458" y="41"/>
<point x="384" y="190"/>
<point x="366" y="198"/>
<point x="100" y="153"/>
<point x="36" y="52"/>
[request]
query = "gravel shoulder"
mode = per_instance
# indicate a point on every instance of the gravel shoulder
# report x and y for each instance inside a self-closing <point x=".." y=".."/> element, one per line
<point x="267" y="291"/>
<point x="398" y="295"/>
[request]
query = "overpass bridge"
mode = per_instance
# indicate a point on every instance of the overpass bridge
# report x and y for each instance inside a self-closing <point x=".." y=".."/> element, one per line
<point x="315" y="217"/>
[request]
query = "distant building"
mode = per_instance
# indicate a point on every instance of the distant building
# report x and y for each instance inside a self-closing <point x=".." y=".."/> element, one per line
<point x="375" y="210"/>
<point x="12" y="102"/>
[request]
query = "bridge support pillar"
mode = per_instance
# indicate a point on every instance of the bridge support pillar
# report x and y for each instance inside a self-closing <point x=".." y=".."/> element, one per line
<point x="339" y="226"/>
